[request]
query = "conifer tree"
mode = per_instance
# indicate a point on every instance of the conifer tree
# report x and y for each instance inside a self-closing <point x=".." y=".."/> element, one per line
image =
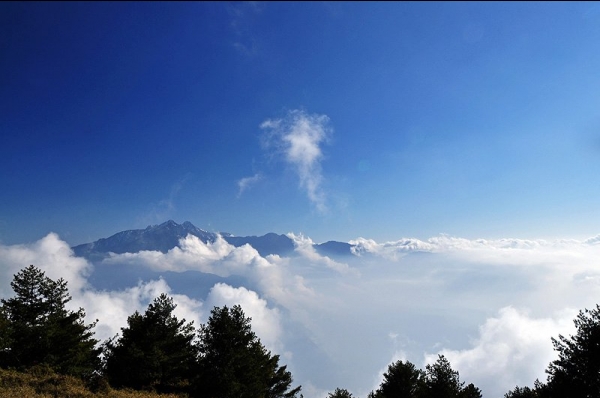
<point x="38" y="329"/>
<point x="234" y="363"/>
<point x="340" y="393"/>
<point x="156" y="351"/>
<point x="402" y="380"/>
<point x="576" y="372"/>
<point x="439" y="380"/>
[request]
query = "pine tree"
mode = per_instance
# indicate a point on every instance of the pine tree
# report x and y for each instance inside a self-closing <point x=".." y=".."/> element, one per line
<point x="234" y="363"/>
<point x="441" y="380"/>
<point x="340" y="393"/>
<point x="576" y="372"/>
<point x="402" y="380"/>
<point x="38" y="329"/>
<point x="156" y="351"/>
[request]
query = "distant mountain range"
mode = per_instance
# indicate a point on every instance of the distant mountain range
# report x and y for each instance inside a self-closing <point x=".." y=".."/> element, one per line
<point x="167" y="235"/>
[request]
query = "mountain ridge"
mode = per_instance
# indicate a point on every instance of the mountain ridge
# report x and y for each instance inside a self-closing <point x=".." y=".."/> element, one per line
<point x="164" y="237"/>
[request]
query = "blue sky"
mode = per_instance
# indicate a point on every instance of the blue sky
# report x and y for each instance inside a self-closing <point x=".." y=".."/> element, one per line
<point x="455" y="144"/>
<point x="475" y="119"/>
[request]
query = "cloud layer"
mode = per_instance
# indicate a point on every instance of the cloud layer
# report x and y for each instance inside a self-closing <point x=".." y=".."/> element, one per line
<point x="490" y="306"/>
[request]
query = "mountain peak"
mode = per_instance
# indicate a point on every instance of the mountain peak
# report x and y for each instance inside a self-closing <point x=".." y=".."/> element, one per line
<point x="188" y="225"/>
<point x="166" y="236"/>
<point x="169" y="223"/>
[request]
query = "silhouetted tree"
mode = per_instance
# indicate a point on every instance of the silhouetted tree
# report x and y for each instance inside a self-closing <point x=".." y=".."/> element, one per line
<point x="521" y="392"/>
<point x="234" y="363"/>
<point x="156" y="351"/>
<point x="4" y="337"/>
<point x="38" y="329"/>
<point x="470" y="391"/>
<point x="576" y="372"/>
<point x="402" y="380"/>
<point x="340" y="393"/>
<point x="441" y="380"/>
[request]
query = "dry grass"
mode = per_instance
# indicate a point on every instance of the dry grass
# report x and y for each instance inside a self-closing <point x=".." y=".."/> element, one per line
<point x="42" y="382"/>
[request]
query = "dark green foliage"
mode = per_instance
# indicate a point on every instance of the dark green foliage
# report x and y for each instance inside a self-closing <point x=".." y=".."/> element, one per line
<point x="439" y="380"/>
<point x="38" y="329"/>
<point x="4" y="335"/>
<point x="470" y="391"/>
<point x="234" y="363"/>
<point x="340" y="393"/>
<point x="155" y="352"/>
<point x="402" y="380"/>
<point x="521" y="392"/>
<point x="576" y="372"/>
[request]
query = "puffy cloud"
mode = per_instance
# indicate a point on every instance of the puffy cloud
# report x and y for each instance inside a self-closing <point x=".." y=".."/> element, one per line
<point x="51" y="255"/>
<point x="299" y="137"/>
<point x="265" y="320"/>
<point x="443" y="295"/>
<point x="271" y="274"/>
<point x="512" y="349"/>
<point x="433" y="294"/>
<point x="192" y="255"/>
<point x="110" y="308"/>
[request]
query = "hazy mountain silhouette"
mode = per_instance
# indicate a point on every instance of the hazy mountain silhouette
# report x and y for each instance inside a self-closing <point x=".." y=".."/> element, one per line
<point x="166" y="236"/>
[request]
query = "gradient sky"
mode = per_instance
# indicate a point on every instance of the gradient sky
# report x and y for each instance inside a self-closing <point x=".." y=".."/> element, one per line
<point x="471" y="119"/>
<point x="456" y="144"/>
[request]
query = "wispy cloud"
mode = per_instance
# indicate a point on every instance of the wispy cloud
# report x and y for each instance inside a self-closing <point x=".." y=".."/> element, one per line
<point x="300" y="136"/>
<point x="165" y="207"/>
<point x="242" y="16"/>
<point x="247" y="182"/>
<point x="305" y="247"/>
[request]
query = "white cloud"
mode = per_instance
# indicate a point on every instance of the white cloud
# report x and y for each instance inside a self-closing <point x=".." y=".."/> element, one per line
<point x="512" y="349"/>
<point x="412" y="299"/>
<point x="304" y="246"/>
<point x="241" y="15"/>
<point x="390" y="250"/>
<point x="299" y="137"/>
<point x="518" y="252"/>
<point x="271" y="274"/>
<point x="192" y="255"/>
<point x="265" y="320"/>
<point x="247" y="182"/>
<point x="436" y="300"/>
<point x="51" y="255"/>
<point x="111" y="308"/>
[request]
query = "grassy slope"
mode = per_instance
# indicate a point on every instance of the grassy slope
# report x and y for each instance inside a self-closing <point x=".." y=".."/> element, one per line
<point x="43" y="383"/>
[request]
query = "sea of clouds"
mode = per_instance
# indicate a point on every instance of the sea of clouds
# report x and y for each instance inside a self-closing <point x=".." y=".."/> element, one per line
<point x="490" y="306"/>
